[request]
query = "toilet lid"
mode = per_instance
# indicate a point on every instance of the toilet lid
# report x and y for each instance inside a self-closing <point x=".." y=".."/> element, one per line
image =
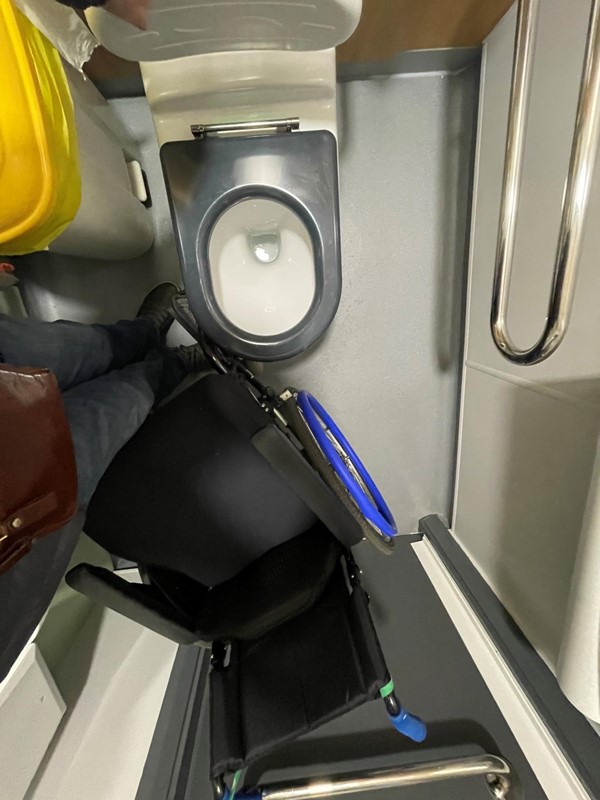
<point x="257" y="229"/>
<point x="176" y="30"/>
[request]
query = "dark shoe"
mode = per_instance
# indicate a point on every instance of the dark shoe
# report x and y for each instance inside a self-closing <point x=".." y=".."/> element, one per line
<point x="157" y="306"/>
<point x="183" y="314"/>
<point x="193" y="357"/>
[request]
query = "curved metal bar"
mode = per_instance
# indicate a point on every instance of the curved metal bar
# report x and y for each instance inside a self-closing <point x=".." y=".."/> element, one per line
<point x="497" y="772"/>
<point x="577" y="189"/>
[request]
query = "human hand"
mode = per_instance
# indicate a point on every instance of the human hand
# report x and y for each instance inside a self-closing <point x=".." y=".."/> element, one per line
<point x="133" y="11"/>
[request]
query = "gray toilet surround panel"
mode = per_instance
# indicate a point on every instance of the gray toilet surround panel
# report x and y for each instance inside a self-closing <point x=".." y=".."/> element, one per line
<point x="205" y="177"/>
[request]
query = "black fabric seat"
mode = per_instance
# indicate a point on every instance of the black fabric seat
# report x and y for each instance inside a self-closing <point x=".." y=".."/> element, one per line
<point x="284" y="582"/>
<point x="303" y="646"/>
<point x="234" y="558"/>
<point x="190" y="493"/>
<point x="304" y="673"/>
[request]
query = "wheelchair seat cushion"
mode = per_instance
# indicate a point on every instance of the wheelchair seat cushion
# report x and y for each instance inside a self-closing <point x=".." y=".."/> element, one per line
<point x="283" y="583"/>
<point x="300" y="675"/>
<point x="191" y="494"/>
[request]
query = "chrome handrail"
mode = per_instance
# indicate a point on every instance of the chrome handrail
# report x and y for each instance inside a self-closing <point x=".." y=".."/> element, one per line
<point x="576" y="194"/>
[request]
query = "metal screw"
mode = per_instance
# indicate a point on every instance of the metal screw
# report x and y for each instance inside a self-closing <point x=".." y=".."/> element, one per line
<point x="16" y="523"/>
<point x="218" y="785"/>
<point x="499" y="786"/>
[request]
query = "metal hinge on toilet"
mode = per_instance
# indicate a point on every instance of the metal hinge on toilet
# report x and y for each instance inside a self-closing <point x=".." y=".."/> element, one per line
<point x="255" y="127"/>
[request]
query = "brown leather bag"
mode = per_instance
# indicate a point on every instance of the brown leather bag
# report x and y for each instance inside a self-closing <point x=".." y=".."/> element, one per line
<point x="38" y="478"/>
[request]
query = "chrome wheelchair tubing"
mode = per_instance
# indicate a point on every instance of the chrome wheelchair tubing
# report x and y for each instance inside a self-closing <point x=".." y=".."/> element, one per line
<point x="496" y="771"/>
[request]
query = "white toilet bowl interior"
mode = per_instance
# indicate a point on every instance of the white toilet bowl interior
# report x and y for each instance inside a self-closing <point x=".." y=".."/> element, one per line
<point x="262" y="266"/>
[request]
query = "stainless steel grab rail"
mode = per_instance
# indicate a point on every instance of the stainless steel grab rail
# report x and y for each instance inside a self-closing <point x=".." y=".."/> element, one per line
<point x="576" y="195"/>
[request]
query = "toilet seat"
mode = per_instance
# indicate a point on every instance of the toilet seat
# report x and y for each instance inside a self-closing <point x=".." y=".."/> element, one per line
<point x="206" y="178"/>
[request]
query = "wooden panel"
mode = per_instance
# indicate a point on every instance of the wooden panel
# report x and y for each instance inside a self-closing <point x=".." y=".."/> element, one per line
<point x="105" y="66"/>
<point x="389" y="26"/>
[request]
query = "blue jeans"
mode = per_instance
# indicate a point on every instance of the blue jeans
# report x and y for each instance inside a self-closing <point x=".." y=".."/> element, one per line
<point x="110" y="375"/>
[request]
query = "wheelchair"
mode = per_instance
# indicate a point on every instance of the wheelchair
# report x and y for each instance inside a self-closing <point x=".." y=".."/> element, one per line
<point x="268" y="500"/>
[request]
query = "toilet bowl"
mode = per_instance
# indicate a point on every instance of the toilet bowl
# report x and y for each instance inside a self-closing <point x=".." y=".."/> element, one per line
<point x="261" y="262"/>
<point x="243" y="98"/>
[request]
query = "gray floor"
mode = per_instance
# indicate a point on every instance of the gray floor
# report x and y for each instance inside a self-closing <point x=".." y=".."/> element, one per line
<point x="388" y="367"/>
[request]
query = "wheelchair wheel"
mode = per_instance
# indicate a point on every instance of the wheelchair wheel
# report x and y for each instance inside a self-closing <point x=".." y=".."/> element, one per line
<point x="335" y="460"/>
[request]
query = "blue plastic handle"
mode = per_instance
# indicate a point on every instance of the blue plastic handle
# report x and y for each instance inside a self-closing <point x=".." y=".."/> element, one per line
<point x="410" y="726"/>
<point x="371" y="505"/>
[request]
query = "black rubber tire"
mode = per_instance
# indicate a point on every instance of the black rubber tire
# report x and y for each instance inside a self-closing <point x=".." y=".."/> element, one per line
<point x="297" y="424"/>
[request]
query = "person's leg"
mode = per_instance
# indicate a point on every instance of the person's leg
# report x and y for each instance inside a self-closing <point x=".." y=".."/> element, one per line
<point x="72" y="351"/>
<point x="106" y="412"/>
<point x="76" y="353"/>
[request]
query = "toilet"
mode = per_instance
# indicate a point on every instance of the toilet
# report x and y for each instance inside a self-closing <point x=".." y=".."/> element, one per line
<point x="243" y="98"/>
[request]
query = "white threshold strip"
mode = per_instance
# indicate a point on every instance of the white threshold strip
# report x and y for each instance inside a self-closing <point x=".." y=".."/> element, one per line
<point x="541" y="750"/>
